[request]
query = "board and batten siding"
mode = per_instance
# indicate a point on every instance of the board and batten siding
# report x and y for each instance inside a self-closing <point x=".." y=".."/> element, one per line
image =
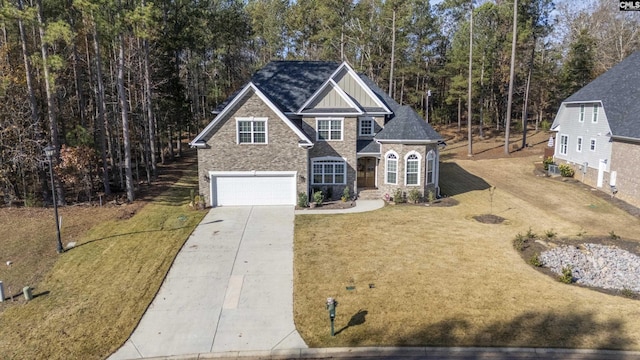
<point x="330" y="99"/>
<point x="347" y="83"/>
<point x="571" y="126"/>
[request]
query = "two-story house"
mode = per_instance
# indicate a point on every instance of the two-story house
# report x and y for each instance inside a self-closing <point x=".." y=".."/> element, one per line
<point x="301" y="126"/>
<point x="598" y="131"/>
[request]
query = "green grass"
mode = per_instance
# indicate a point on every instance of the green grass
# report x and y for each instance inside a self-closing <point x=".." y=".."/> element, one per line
<point x="96" y="293"/>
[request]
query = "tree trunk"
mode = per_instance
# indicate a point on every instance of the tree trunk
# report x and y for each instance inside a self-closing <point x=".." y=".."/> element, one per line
<point x="393" y="51"/>
<point x="459" y="114"/>
<point x="124" y="109"/>
<point x="507" y="121"/>
<point x="469" y="117"/>
<point x="102" y="126"/>
<point x="33" y="104"/>
<point x="482" y="98"/>
<point x="53" y="125"/>
<point x="149" y="111"/>
<point x="525" y="115"/>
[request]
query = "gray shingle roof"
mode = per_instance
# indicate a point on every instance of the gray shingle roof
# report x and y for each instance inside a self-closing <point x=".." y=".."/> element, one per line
<point x="386" y="99"/>
<point x="367" y="147"/>
<point x="619" y="91"/>
<point x="407" y="125"/>
<point x="289" y="84"/>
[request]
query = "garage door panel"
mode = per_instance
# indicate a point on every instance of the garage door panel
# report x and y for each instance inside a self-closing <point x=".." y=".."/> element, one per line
<point x="253" y="190"/>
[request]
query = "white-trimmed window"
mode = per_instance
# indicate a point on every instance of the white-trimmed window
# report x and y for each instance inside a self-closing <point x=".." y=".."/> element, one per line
<point x="579" y="144"/>
<point x="596" y="108"/>
<point x="391" y="168"/>
<point x="251" y="130"/>
<point x="412" y="169"/>
<point x="328" y="171"/>
<point x="592" y="145"/>
<point x="329" y="129"/>
<point x="366" y="126"/>
<point x="564" y="143"/>
<point x="431" y="165"/>
<point x="581" y="118"/>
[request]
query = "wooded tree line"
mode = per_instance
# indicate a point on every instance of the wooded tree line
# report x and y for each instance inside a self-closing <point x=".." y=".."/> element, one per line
<point x="117" y="86"/>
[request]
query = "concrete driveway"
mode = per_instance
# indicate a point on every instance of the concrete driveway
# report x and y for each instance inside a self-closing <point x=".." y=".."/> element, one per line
<point x="229" y="289"/>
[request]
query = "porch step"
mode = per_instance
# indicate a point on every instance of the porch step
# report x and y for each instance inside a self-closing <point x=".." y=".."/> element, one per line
<point x="370" y="194"/>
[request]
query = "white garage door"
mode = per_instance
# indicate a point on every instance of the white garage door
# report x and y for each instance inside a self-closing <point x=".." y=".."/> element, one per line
<point x="253" y="188"/>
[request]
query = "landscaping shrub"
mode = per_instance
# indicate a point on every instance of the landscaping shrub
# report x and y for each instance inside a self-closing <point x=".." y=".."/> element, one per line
<point x="535" y="260"/>
<point x="628" y="293"/>
<point x="431" y="196"/>
<point x="398" y="196"/>
<point x="414" y="196"/>
<point x="520" y="242"/>
<point x="567" y="275"/>
<point x="547" y="161"/>
<point x="303" y="200"/>
<point x="318" y="197"/>
<point x="531" y="234"/>
<point x="613" y="235"/>
<point x="550" y="234"/>
<point x="566" y="170"/>
<point x="345" y="194"/>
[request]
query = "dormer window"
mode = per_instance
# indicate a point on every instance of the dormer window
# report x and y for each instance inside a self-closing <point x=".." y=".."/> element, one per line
<point x="366" y="126"/>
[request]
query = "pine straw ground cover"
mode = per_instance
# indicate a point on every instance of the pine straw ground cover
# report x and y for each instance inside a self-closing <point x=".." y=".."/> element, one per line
<point x="440" y="278"/>
<point x="91" y="298"/>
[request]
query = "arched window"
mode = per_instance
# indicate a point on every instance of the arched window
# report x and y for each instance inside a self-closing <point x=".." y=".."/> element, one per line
<point x="412" y="169"/>
<point x="431" y="165"/>
<point x="391" y="168"/>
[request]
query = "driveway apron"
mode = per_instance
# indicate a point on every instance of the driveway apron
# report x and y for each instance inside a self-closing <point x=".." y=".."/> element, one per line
<point x="229" y="289"/>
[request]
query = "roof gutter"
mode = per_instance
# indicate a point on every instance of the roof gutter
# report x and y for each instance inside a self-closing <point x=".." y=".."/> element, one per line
<point x="200" y="144"/>
<point x="625" y="138"/>
<point x="413" y="142"/>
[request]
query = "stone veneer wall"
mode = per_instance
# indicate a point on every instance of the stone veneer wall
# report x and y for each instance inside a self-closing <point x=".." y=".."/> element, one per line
<point x="346" y="148"/>
<point x="402" y="150"/>
<point x="625" y="160"/>
<point x="281" y="153"/>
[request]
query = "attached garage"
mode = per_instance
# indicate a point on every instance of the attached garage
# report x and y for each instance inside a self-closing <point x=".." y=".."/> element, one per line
<point x="253" y="188"/>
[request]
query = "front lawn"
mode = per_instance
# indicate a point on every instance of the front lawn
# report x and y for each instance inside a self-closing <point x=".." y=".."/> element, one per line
<point x="90" y="298"/>
<point x="434" y="276"/>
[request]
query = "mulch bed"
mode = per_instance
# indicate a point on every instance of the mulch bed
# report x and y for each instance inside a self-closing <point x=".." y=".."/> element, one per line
<point x="331" y="205"/>
<point x="489" y="219"/>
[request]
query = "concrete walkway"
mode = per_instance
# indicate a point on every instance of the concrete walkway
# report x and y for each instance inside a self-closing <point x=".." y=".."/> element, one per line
<point x="229" y="289"/>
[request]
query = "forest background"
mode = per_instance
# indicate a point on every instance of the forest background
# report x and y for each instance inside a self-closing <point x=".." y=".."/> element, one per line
<point x="117" y="86"/>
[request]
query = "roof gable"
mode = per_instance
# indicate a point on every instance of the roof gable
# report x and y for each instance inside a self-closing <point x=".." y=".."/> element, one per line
<point x="248" y="89"/>
<point x="330" y="96"/>
<point x="619" y="91"/>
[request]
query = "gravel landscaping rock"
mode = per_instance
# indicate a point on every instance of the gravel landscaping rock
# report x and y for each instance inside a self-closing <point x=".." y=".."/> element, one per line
<point x="595" y="265"/>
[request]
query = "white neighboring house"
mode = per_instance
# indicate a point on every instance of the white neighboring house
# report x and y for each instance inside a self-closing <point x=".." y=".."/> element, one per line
<point x="598" y="131"/>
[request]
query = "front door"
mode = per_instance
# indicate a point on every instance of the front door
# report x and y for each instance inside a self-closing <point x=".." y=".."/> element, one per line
<point x="367" y="172"/>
